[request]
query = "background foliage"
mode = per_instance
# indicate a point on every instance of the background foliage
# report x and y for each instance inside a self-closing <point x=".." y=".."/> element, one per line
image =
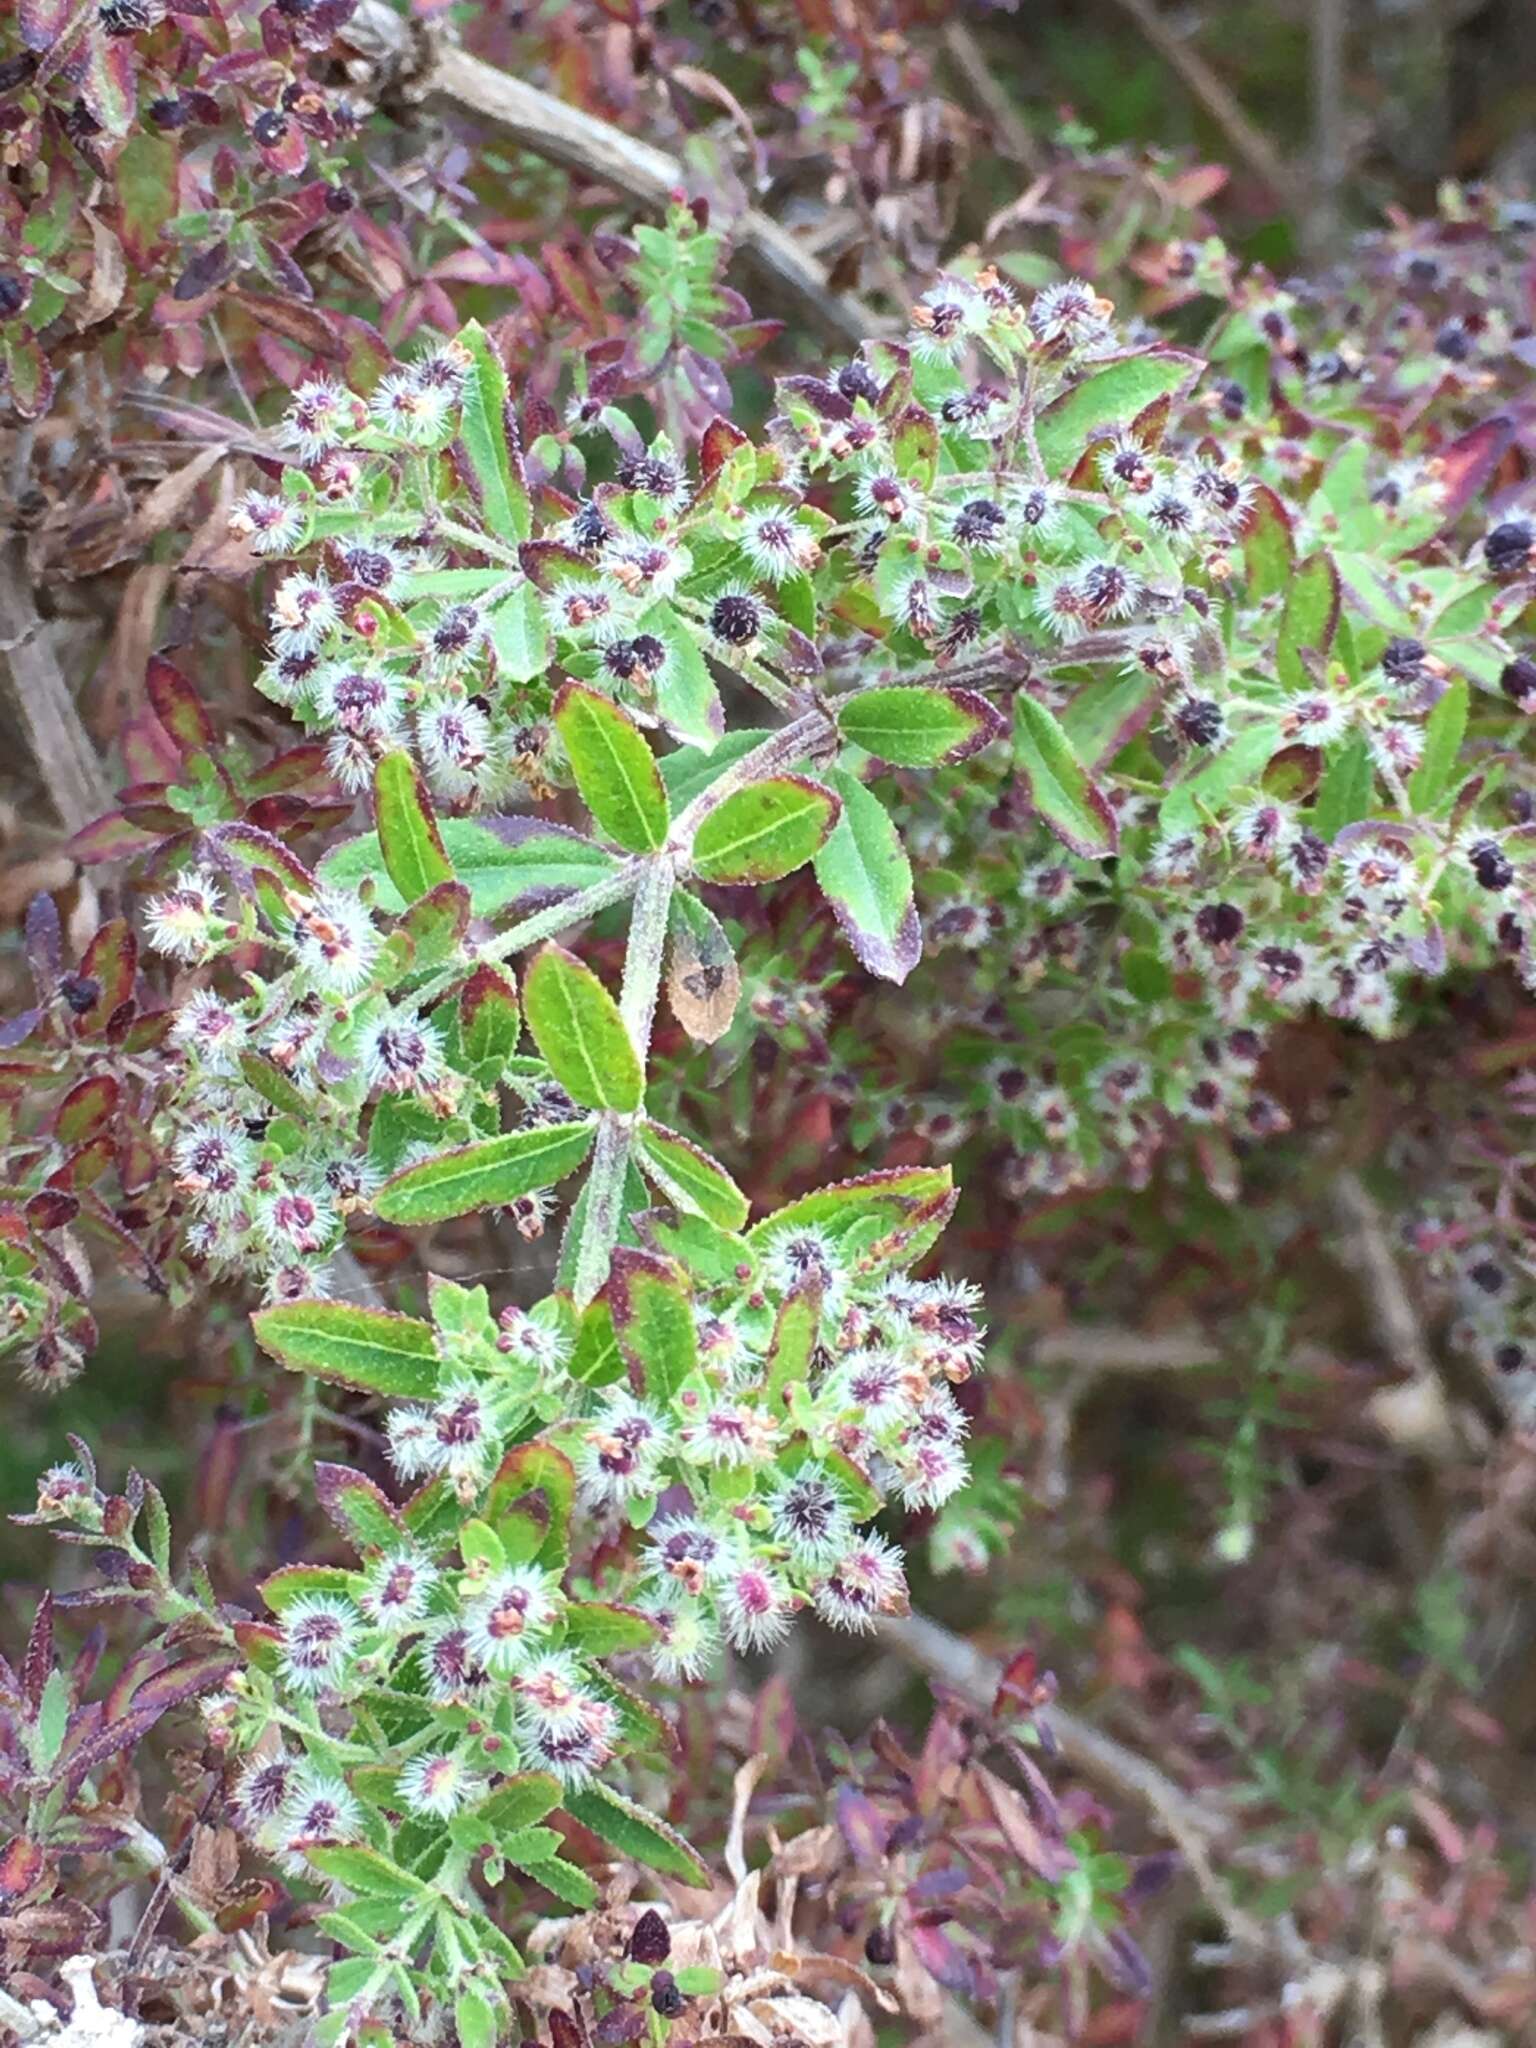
<point x="1229" y="1635"/>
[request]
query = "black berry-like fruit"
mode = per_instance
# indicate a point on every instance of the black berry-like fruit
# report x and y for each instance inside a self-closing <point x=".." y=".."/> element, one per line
<point x="1200" y="721"/>
<point x="1219" y="923"/>
<point x="666" y="1999"/>
<point x="858" y="380"/>
<point x="1507" y="550"/>
<point x="1517" y="679"/>
<point x="269" y="128"/>
<point x="1402" y="659"/>
<point x="14" y="294"/>
<point x="977" y="522"/>
<point x="735" y="619"/>
<point x="1491" y="864"/>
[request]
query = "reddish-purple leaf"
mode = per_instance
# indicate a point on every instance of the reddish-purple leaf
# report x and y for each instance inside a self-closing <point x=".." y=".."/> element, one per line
<point x="177" y="705"/>
<point x="43" y="944"/>
<point x="86" y="1109"/>
<point x="21" y="1865"/>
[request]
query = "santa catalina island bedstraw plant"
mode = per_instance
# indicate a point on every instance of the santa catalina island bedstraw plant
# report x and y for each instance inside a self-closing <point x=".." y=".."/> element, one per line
<point x="946" y="557"/>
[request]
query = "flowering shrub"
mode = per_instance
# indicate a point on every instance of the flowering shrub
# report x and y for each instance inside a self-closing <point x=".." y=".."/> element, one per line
<point x="1193" y="720"/>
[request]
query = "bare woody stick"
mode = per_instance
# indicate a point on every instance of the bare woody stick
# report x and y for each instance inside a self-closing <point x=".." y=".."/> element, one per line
<point x="440" y="73"/>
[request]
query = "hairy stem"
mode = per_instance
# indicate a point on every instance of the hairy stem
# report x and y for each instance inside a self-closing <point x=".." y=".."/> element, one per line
<point x="637" y="1006"/>
<point x="543" y="924"/>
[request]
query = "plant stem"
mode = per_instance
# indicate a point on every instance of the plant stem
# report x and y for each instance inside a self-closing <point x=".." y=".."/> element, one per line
<point x="637" y="1006"/>
<point x="543" y="924"/>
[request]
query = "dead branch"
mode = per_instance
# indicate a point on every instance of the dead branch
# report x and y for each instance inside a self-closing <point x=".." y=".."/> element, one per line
<point x="447" y="76"/>
<point x="66" y="760"/>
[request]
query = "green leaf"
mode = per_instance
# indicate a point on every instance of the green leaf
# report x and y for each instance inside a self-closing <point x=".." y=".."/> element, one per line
<point x="530" y="1468"/>
<point x="764" y="832"/>
<point x="1242" y="760"/>
<point x="414" y="855"/>
<point x="569" y="1883"/>
<point x="474" y="2020"/>
<point x="489" y="1018"/>
<point x="1344" y="794"/>
<point x="1444" y="731"/>
<point x="1068" y="801"/>
<point x="597" y="1360"/>
<point x="615" y="770"/>
<point x="1110" y="397"/>
<point x="714" y="1257"/>
<point x="906" y="1206"/>
<point x="485" y="434"/>
<point x="357" y="1507"/>
<point x="1269" y="550"/>
<point x="599" y="1628"/>
<point x="689" y="771"/>
<point x="577" y="1027"/>
<point x="688" y="1176"/>
<point x="526" y="863"/>
<point x="371" y="1348"/>
<point x="635" y="1833"/>
<point x="1309" y="620"/>
<point x="518" y="1802"/>
<point x="483" y="1176"/>
<point x="866" y="877"/>
<point x="687" y="702"/>
<point x="794" y="1340"/>
<point x="369" y="1872"/>
<point x="52" y="1723"/>
<point x="915" y="725"/>
<point x="520" y="634"/>
<point x="653" y="1321"/>
<point x="435" y="923"/>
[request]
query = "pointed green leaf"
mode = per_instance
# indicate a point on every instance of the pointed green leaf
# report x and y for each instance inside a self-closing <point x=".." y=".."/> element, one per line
<point x="485" y="434"/>
<point x="519" y="863"/>
<point x="1109" y="397"/>
<point x="412" y="846"/>
<point x="369" y="1872"/>
<point x="866" y="877"/>
<point x="483" y="1176"/>
<point x="1444" y="731"/>
<point x="1068" y="801"/>
<point x="597" y="1360"/>
<point x="795" y="1331"/>
<point x="635" y="1833"/>
<point x="1269" y="550"/>
<point x="1309" y="620"/>
<point x="371" y="1348"/>
<point x="1344" y="794"/>
<point x="489" y="1018"/>
<point x="904" y="1207"/>
<point x="577" y="1027"/>
<point x="615" y="770"/>
<point x="915" y="725"/>
<point x="533" y="1468"/>
<point x="764" y="832"/>
<point x="653" y="1320"/>
<point x="599" y="1628"/>
<point x="688" y="1176"/>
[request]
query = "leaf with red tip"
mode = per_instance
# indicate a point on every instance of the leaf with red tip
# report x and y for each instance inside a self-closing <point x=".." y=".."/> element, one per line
<point x="177" y="705"/>
<point x="86" y="1109"/>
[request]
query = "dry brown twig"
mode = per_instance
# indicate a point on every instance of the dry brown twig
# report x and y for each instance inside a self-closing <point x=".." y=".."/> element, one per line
<point x="442" y="74"/>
